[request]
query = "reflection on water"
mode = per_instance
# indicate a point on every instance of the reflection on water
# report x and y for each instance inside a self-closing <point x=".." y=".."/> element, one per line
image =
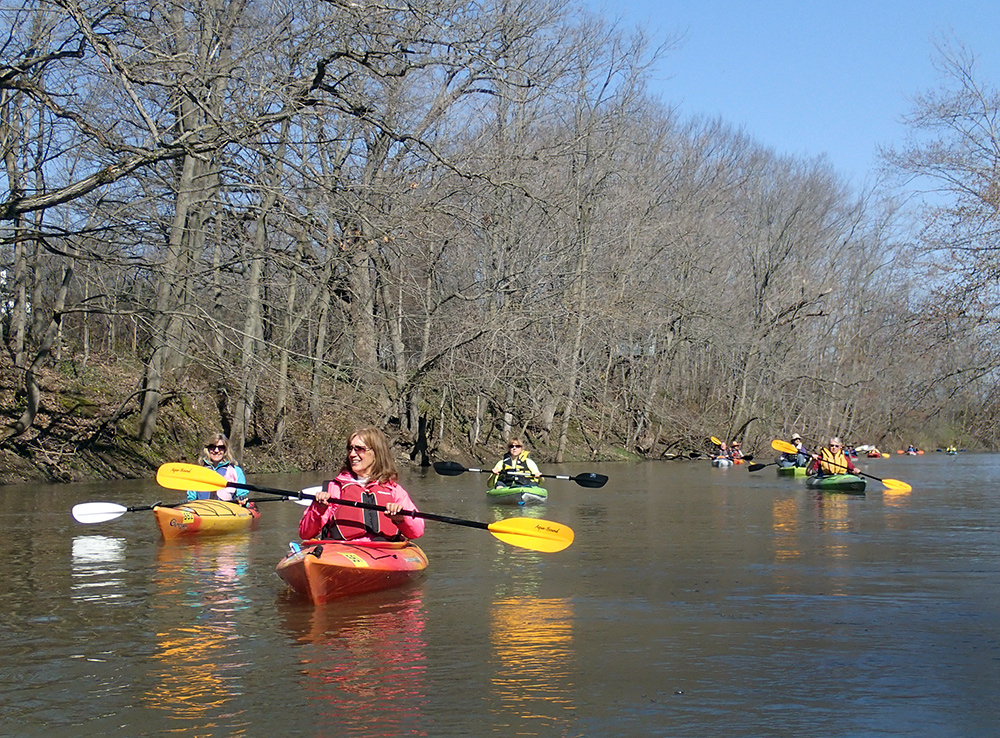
<point x="532" y="640"/>
<point x="363" y="662"/>
<point x="691" y="604"/>
<point x="533" y="679"/>
<point x="98" y="568"/>
<point x="895" y="498"/>
<point x="201" y="660"/>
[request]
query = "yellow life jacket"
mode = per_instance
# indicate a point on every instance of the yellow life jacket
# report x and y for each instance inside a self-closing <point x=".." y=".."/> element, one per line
<point x="833" y="463"/>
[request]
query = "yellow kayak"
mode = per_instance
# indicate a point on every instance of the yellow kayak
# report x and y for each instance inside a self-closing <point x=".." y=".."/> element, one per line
<point x="204" y="518"/>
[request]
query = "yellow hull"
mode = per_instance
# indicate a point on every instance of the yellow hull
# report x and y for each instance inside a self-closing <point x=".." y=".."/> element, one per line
<point x="203" y="518"/>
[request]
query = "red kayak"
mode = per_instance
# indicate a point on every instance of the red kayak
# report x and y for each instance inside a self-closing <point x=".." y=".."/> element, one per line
<point x="327" y="570"/>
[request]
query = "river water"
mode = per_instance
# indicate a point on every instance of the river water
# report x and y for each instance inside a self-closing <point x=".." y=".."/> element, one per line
<point x="693" y="602"/>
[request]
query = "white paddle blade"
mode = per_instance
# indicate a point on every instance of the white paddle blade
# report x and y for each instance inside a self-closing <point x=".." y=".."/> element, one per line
<point x="97" y="512"/>
<point x="306" y="502"/>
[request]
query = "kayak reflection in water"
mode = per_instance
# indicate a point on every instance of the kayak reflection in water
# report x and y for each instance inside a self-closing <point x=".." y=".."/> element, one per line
<point x="515" y="469"/>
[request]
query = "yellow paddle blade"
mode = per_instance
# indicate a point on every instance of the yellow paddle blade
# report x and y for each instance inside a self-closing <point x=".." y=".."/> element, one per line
<point x="538" y="535"/>
<point x="886" y="456"/>
<point x="784" y="447"/>
<point x="895" y="484"/>
<point x="716" y="441"/>
<point x="189" y="476"/>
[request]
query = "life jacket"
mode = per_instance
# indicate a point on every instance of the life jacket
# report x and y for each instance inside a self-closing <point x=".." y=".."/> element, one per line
<point x="832" y="463"/>
<point x="351" y="522"/>
<point x="518" y="468"/>
<point x="230" y="473"/>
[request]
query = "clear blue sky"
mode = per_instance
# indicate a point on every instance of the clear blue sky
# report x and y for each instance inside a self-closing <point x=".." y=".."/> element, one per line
<point x="808" y="78"/>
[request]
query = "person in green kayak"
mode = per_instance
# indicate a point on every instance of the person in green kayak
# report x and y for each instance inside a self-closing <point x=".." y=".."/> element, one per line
<point x="515" y="469"/>
<point x="832" y="460"/>
<point x="799" y="458"/>
<point x="218" y="455"/>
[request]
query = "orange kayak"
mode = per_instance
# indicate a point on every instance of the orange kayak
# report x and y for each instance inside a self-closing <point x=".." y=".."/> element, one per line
<point x="204" y="518"/>
<point x="327" y="570"/>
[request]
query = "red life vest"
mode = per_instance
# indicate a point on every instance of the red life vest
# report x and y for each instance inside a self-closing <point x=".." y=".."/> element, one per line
<point x="351" y="522"/>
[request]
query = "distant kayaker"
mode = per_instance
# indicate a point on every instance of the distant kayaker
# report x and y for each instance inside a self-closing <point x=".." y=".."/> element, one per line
<point x="515" y="469"/>
<point x="799" y="458"/>
<point x="217" y="455"/>
<point x="368" y="475"/>
<point x="735" y="452"/>
<point x="832" y="460"/>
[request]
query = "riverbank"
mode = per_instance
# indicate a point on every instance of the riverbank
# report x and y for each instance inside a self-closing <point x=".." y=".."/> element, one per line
<point x="85" y="429"/>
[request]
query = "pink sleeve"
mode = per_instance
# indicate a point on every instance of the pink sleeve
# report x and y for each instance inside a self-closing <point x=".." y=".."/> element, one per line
<point x="226" y="493"/>
<point x="409" y="526"/>
<point x="315" y="516"/>
<point x="313" y="520"/>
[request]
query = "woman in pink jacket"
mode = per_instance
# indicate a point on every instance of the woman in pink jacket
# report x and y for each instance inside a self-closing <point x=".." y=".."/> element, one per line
<point x="368" y="475"/>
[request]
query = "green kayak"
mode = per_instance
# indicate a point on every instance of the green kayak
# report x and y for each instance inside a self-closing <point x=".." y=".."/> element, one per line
<point x="517" y="495"/>
<point x="791" y="471"/>
<point x="837" y="483"/>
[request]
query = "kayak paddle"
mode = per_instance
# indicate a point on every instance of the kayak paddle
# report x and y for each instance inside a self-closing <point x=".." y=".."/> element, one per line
<point x="893" y="484"/>
<point x="101" y="512"/>
<point x="587" y="479"/>
<point x="530" y="533"/>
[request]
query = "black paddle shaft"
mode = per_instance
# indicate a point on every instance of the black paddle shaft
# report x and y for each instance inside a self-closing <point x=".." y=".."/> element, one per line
<point x="364" y="505"/>
<point x="587" y="479"/>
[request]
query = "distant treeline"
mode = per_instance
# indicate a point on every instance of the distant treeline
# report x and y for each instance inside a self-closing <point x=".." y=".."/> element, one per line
<point x="466" y="219"/>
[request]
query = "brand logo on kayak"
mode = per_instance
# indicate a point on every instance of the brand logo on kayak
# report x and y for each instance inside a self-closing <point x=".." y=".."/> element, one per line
<point x="356" y="560"/>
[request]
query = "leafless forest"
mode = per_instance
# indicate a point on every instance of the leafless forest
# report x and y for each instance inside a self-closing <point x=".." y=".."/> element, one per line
<point x="467" y="220"/>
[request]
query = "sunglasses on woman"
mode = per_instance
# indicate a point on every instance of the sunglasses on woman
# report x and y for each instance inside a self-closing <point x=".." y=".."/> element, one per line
<point x="215" y="448"/>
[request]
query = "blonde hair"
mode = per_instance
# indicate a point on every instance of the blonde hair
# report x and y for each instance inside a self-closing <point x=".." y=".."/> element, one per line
<point x="217" y="439"/>
<point x="383" y="467"/>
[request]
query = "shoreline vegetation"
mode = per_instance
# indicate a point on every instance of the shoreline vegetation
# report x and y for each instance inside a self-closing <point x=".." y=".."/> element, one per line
<point x="460" y="222"/>
<point x="85" y="430"/>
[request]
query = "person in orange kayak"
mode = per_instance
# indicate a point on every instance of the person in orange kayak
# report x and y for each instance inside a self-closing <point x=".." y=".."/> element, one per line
<point x="368" y="475"/>
<point x="832" y="460"/>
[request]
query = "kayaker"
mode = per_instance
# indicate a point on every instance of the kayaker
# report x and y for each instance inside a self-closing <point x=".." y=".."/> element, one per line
<point x="217" y="454"/>
<point x="799" y="458"/>
<point x="832" y="460"/>
<point x="735" y="452"/>
<point x="515" y="469"/>
<point x="368" y="475"/>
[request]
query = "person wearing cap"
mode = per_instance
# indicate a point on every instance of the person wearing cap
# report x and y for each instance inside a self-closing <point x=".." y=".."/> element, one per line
<point x="799" y="458"/>
<point x="735" y="452"/>
<point x="832" y="460"/>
